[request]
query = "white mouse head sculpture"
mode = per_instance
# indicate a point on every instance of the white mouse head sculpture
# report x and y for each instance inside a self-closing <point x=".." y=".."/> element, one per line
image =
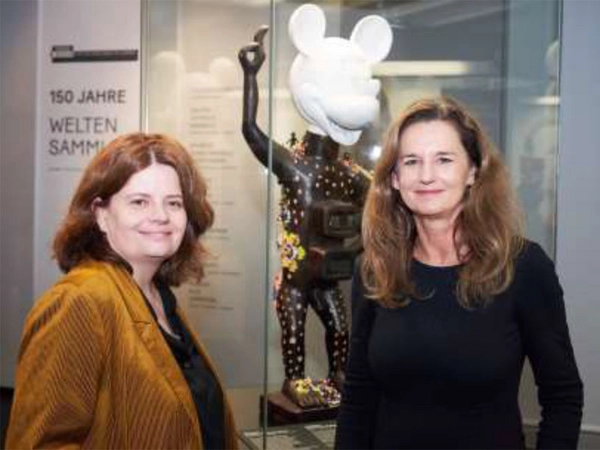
<point x="330" y="79"/>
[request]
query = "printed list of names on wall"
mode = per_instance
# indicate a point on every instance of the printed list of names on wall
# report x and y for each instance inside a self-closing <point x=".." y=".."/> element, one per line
<point x="211" y="140"/>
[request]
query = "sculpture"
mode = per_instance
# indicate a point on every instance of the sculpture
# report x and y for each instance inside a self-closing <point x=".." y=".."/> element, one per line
<point x="322" y="194"/>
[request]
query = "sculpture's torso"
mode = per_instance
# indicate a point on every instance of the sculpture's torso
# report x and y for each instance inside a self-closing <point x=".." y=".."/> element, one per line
<point x="318" y="179"/>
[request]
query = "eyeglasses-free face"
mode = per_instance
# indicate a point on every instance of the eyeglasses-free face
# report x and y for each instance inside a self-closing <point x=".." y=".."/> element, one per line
<point x="145" y="221"/>
<point x="433" y="170"/>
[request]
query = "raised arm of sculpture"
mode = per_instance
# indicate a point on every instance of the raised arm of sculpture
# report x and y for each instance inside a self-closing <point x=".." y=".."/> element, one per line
<point x="252" y="57"/>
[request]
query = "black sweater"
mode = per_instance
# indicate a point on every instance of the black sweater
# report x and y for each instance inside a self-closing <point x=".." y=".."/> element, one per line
<point x="436" y="375"/>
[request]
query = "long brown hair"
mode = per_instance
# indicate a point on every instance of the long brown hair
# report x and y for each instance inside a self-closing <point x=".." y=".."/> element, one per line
<point x="489" y="224"/>
<point x="79" y="237"/>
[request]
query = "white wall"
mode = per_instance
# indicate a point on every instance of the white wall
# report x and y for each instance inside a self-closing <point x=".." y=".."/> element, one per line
<point x="18" y="35"/>
<point x="578" y="226"/>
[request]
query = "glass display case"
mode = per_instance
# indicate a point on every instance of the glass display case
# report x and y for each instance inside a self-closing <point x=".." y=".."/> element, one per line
<point x="499" y="57"/>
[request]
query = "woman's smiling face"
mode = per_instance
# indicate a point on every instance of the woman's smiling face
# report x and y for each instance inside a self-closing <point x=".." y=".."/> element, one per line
<point x="145" y="221"/>
<point x="433" y="170"/>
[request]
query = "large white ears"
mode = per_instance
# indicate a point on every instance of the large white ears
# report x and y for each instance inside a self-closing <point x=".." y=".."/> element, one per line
<point x="373" y="35"/>
<point x="307" y="28"/>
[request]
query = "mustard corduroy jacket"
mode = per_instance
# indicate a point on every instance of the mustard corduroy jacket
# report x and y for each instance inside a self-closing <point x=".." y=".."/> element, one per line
<point x="95" y="372"/>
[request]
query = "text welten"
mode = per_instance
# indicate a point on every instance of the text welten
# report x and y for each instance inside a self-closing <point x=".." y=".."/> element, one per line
<point x="102" y="96"/>
<point x="83" y="124"/>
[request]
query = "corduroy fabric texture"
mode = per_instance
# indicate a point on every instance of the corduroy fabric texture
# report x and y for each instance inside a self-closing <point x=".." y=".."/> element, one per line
<point x="95" y="372"/>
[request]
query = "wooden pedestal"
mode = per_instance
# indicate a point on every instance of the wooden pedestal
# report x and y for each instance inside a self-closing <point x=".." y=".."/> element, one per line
<point x="282" y="411"/>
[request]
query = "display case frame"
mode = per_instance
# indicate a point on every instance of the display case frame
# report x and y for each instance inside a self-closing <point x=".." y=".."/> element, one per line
<point x="193" y="88"/>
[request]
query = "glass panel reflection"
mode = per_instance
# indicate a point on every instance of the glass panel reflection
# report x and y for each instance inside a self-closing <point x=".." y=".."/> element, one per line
<point x="499" y="57"/>
<point x="194" y="92"/>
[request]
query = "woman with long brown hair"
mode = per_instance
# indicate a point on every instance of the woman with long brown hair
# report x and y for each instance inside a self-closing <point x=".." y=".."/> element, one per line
<point x="450" y="299"/>
<point x="107" y="358"/>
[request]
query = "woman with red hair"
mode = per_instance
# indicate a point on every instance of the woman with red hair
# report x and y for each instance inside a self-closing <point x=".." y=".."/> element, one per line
<point x="107" y="357"/>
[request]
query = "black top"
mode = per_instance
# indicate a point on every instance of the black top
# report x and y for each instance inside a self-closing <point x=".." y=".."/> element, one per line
<point x="436" y="375"/>
<point x="203" y="385"/>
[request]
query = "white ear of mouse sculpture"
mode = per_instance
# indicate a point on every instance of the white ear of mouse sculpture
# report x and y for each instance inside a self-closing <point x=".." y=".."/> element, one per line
<point x="331" y="79"/>
<point x="322" y="195"/>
